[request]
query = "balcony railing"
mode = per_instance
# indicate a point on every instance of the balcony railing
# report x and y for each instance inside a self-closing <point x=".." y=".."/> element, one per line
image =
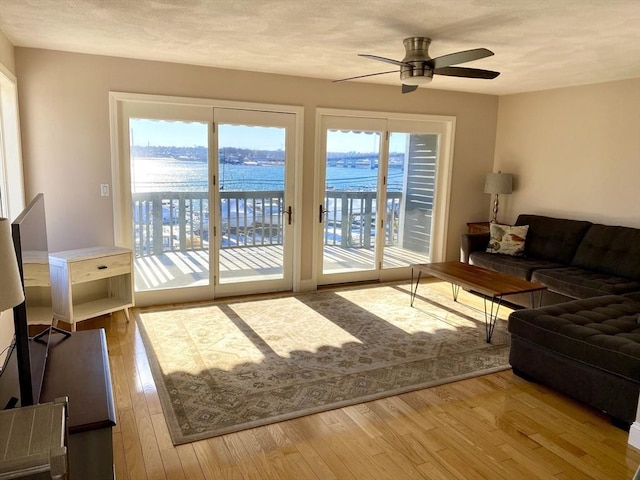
<point x="179" y="221"/>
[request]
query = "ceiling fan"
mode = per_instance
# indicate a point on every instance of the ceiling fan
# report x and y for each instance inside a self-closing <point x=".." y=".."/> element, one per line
<point x="418" y="68"/>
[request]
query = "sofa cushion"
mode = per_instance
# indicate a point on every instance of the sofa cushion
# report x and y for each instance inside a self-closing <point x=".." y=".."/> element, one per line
<point x="633" y="296"/>
<point x="612" y="250"/>
<point x="601" y="331"/>
<point x="580" y="283"/>
<point x="552" y="239"/>
<point x="507" y="240"/>
<point x="521" y="267"/>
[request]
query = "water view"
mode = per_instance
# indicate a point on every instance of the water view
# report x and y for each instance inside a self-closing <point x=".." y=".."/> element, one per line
<point x="170" y="174"/>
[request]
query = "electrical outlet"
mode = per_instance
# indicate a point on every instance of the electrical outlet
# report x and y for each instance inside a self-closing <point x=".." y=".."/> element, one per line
<point x="104" y="190"/>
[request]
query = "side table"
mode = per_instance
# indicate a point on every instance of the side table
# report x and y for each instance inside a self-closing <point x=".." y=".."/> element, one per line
<point x="90" y="282"/>
<point x="478" y="227"/>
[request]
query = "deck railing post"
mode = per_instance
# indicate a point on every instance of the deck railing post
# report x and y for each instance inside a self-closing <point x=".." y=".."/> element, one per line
<point x="345" y="221"/>
<point x="156" y="218"/>
<point x="182" y="222"/>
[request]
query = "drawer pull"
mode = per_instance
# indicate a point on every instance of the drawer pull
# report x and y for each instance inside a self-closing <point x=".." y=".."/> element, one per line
<point x="102" y="267"/>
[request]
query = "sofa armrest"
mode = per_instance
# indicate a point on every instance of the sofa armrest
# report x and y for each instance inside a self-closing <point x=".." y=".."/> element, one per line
<point x="472" y="242"/>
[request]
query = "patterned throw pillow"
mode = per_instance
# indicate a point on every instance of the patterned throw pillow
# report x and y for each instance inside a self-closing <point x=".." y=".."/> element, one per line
<point x="507" y="240"/>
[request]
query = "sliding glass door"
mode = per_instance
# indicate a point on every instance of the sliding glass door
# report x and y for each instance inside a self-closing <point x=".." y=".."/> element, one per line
<point x="383" y="180"/>
<point x="209" y="201"/>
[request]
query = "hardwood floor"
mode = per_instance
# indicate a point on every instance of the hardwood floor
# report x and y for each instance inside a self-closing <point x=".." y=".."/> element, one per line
<point x="494" y="427"/>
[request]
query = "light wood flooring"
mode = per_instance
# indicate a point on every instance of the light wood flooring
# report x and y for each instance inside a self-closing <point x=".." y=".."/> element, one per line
<point x="497" y="426"/>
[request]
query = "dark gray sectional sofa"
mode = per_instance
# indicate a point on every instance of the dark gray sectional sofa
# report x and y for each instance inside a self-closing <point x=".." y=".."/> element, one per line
<point x="574" y="259"/>
<point x="585" y="340"/>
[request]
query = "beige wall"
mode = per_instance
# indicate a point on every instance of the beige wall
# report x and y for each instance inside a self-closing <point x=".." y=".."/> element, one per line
<point x="6" y="53"/>
<point x="6" y="59"/>
<point x="65" y="130"/>
<point x="575" y="153"/>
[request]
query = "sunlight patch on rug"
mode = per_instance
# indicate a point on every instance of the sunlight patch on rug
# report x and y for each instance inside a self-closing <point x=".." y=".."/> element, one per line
<point x="299" y="326"/>
<point x="228" y="366"/>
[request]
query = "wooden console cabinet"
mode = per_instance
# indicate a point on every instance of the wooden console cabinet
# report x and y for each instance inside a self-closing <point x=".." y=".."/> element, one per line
<point x="89" y="282"/>
<point x="78" y="368"/>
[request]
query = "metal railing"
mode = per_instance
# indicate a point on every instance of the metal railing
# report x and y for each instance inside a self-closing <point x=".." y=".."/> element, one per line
<point x="179" y="221"/>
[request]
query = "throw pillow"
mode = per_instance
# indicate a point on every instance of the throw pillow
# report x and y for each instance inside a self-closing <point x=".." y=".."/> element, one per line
<point x="507" y="240"/>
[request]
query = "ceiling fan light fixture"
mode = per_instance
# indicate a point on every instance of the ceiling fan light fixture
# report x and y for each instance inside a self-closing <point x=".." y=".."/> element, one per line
<point x="417" y="80"/>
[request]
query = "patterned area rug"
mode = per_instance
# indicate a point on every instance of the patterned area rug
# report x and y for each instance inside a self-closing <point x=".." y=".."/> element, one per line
<point x="232" y="365"/>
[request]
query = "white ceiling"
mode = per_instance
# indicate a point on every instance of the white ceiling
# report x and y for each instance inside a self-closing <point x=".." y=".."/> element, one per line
<point x="538" y="44"/>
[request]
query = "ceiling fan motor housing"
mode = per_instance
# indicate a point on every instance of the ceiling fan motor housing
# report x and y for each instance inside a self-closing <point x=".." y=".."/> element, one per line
<point x="417" y="55"/>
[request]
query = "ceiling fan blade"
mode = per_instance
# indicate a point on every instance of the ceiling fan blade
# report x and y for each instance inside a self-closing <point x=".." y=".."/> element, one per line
<point x="363" y="76"/>
<point x="383" y="59"/>
<point x="466" y="72"/>
<point x="459" y="57"/>
<point x="408" y="88"/>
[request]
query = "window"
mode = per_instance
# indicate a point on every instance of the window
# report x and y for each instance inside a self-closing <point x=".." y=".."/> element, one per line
<point x="11" y="182"/>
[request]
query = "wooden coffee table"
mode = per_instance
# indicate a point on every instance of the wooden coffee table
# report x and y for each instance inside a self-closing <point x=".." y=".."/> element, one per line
<point x="492" y="285"/>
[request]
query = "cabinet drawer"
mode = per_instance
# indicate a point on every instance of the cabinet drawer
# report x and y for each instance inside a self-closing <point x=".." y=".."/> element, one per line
<point x="97" y="268"/>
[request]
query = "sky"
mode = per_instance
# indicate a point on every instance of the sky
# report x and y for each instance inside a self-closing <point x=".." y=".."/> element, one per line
<point x="188" y="134"/>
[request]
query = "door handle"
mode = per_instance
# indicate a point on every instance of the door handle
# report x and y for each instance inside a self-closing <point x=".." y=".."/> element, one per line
<point x="289" y="212"/>
<point x="321" y="213"/>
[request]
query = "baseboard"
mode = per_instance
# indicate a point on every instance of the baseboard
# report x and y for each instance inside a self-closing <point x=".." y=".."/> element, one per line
<point x="634" y="434"/>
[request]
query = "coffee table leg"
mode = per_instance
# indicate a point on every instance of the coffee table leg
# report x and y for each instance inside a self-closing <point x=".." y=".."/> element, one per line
<point x="455" y="289"/>
<point x="491" y="317"/>
<point x="415" y="290"/>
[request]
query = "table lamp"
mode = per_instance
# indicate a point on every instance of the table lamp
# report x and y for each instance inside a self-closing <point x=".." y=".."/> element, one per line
<point x="498" y="184"/>
<point x="11" y="291"/>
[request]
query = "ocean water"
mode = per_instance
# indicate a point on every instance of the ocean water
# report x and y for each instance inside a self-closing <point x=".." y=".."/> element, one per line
<point x="164" y="174"/>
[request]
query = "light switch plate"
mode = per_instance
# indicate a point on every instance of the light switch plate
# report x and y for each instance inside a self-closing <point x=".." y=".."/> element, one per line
<point x="104" y="190"/>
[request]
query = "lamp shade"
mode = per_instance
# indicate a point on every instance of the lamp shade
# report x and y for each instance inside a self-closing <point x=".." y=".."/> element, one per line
<point x="11" y="292"/>
<point x="498" y="183"/>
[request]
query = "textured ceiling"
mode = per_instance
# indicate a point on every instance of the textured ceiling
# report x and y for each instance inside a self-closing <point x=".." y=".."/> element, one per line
<point x="538" y="44"/>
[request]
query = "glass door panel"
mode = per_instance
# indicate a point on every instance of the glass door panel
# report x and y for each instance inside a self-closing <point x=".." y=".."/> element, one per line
<point x="170" y="203"/>
<point x="349" y="210"/>
<point x="410" y="196"/>
<point x="253" y="195"/>
<point x="252" y="208"/>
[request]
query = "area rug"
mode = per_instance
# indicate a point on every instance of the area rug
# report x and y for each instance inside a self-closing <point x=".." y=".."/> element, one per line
<point x="232" y="365"/>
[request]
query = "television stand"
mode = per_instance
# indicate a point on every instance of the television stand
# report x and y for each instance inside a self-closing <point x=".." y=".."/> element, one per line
<point x="78" y="368"/>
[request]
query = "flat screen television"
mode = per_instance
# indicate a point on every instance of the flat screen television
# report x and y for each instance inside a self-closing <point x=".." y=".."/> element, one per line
<point x="23" y="371"/>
